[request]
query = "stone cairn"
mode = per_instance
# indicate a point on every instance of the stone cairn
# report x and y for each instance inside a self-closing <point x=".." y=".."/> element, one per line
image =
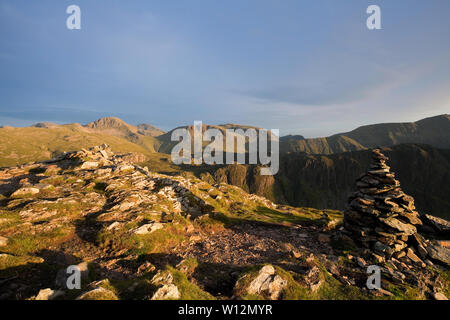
<point x="381" y="217"/>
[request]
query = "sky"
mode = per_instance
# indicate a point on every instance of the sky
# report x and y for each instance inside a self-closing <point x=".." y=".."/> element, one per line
<point x="308" y="67"/>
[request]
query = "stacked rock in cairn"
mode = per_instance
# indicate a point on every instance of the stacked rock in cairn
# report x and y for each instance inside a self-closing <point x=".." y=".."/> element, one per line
<point x="381" y="217"/>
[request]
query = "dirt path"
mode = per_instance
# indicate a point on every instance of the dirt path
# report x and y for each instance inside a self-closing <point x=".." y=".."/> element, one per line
<point x="252" y="243"/>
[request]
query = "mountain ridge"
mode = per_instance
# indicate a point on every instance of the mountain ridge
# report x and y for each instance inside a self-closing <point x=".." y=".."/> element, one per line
<point x="434" y="131"/>
<point x="21" y="145"/>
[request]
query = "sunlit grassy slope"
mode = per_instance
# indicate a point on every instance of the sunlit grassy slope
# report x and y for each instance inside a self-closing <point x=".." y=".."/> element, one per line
<point x="21" y="145"/>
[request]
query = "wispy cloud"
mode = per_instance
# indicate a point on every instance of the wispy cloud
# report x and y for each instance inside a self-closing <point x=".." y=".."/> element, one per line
<point x="264" y="63"/>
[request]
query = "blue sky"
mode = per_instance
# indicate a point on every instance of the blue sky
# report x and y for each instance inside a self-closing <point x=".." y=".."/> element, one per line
<point x="306" y="67"/>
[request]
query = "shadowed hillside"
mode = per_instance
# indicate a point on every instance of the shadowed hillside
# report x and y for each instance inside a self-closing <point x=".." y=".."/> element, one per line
<point x="324" y="181"/>
<point x="146" y="129"/>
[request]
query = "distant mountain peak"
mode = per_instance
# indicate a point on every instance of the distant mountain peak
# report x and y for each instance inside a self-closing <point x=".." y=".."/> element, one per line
<point x="45" y="125"/>
<point x="442" y="117"/>
<point x="237" y="126"/>
<point x="292" y="137"/>
<point x="108" y="123"/>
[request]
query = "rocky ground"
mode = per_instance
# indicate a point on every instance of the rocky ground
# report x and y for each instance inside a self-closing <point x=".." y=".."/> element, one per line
<point x="137" y="234"/>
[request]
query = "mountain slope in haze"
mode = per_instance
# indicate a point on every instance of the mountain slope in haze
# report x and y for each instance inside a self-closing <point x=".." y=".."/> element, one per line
<point x="324" y="181"/>
<point x="434" y="131"/>
<point x="113" y="126"/>
<point x="117" y="127"/>
<point x="292" y="137"/>
<point x="146" y="129"/>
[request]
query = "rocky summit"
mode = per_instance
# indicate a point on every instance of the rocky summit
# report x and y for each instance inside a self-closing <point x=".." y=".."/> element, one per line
<point x="137" y="234"/>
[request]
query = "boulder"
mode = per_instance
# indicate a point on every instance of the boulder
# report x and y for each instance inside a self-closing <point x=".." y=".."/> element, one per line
<point x="383" y="249"/>
<point x="439" y="296"/>
<point x="88" y="165"/>
<point x="162" y="278"/>
<point x="313" y="278"/>
<point x="114" y="225"/>
<point x="400" y="226"/>
<point x="166" y="292"/>
<point x="48" y="294"/>
<point x="267" y="282"/>
<point x="361" y="262"/>
<point x="439" y="225"/>
<point x="3" y="241"/>
<point x="166" y="289"/>
<point x="124" y="167"/>
<point x="104" y="154"/>
<point x="25" y="191"/>
<point x="149" y="228"/>
<point x="414" y="258"/>
<point x="439" y="253"/>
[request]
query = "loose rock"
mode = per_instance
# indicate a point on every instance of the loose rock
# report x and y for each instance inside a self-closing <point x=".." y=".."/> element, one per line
<point x="48" y="294"/>
<point x="267" y="281"/>
<point x="3" y="241"/>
